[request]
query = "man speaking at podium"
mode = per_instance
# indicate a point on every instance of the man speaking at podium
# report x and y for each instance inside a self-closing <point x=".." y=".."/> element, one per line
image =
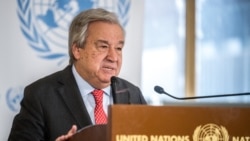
<point x="54" y="107"/>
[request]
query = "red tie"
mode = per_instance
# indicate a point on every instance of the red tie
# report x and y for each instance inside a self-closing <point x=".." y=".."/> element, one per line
<point x="100" y="116"/>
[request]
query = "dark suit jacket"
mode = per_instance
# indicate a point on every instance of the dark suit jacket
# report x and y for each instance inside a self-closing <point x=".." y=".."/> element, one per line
<point x="53" y="104"/>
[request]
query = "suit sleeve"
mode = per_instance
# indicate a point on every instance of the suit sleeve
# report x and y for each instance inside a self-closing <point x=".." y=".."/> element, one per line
<point x="28" y="124"/>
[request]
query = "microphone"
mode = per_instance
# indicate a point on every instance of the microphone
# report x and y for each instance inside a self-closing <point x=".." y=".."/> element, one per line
<point x="160" y="90"/>
<point x="113" y="88"/>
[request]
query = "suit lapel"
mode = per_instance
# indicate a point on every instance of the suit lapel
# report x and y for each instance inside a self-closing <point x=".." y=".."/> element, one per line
<point x="72" y="98"/>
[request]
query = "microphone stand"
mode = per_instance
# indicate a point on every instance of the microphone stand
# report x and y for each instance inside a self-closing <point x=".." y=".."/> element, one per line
<point x="160" y="90"/>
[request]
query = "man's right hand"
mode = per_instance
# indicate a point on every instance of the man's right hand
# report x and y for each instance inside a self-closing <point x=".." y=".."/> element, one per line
<point x="70" y="133"/>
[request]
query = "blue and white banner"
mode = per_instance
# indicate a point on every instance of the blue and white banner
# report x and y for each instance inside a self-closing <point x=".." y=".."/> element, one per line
<point x="34" y="44"/>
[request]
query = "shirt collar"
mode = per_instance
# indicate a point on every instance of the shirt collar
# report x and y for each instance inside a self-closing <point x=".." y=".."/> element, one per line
<point x="84" y="86"/>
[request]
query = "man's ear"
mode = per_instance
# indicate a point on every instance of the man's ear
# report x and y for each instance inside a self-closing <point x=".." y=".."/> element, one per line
<point x="76" y="52"/>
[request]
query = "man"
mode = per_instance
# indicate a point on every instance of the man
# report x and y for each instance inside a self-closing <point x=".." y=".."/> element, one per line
<point x="54" y="107"/>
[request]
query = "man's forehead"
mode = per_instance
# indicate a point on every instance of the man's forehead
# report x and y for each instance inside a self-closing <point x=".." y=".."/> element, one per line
<point x="106" y="27"/>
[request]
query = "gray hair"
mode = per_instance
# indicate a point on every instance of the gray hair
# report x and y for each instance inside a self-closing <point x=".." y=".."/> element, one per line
<point x="79" y="25"/>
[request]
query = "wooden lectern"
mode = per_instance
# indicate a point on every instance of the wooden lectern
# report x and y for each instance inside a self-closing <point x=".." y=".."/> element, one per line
<point x="171" y="123"/>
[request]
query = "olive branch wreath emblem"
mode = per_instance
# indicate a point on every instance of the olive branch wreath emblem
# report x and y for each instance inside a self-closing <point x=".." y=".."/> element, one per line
<point x="38" y="43"/>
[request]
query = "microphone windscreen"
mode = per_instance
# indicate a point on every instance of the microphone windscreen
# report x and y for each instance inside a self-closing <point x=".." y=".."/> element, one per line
<point x="113" y="79"/>
<point x="159" y="89"/>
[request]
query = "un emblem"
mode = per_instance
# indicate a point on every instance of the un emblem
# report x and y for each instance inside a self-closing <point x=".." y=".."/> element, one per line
<point x="210" y="132"/>
<point x="13" y="98"/>
<point x="44" y="23"/>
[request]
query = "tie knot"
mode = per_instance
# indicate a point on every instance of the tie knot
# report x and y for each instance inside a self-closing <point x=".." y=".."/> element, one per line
<point x="98" y="95"/>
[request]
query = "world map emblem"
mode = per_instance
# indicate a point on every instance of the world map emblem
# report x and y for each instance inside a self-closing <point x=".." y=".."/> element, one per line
<point x="210" y="132"/>
<point x="44" y="23"/>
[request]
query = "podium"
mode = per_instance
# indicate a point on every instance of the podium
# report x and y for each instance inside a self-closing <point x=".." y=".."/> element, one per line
<point x="171" y="123"/>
